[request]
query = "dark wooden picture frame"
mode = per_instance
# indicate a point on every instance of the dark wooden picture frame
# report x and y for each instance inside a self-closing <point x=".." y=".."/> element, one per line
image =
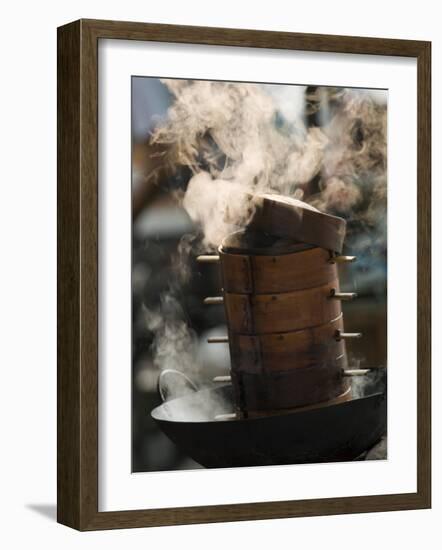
<point x="77" y="459"/>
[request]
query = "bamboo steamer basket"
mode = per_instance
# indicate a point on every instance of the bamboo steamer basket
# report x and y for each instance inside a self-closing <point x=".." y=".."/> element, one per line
<point x="283" y="311"/>
<point x="300" y="387"/>
<point x="284" y="351"/>
<point x="283" y="323"/>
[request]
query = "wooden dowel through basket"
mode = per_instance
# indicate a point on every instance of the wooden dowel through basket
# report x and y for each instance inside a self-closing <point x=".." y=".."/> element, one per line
<point x="218" y="340"/>
<point x="339" y="335"/>
<point x="213" y="300"/>
<point x="344" y="296"/>
<point x="342" y="259"/>
<point x="207" y="259"/>
<point x="222" y="379"/>
<point x="355" y="372"/>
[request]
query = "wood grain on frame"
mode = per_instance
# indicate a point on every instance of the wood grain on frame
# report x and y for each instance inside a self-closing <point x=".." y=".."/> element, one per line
<point x="77" y="225"/>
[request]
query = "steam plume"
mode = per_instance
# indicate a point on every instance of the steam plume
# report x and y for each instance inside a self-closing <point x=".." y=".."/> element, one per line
<point x="244" y="137"/>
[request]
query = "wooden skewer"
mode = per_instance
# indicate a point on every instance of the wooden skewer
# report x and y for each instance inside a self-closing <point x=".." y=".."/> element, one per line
<point x="355" y="372"/>
<point x="345" y="296"/>
<point x="206" y="259"/>
<point x="342" y="259"/>
<point x="343" y="335"/>
<point x="227" y="416"/>
<point x="226" y="378"/>
<point x="218" y="340"/>
<point x="213" y="300"/>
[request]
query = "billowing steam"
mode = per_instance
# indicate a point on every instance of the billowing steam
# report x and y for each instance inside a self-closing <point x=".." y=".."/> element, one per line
<point x="219" y="206"/>
<point x="354" y="167"/>
<point x="175" y="343"/>
<point x="239" y="138"/>
<point x="244" y="139"/>
<point x="234" y="141"/>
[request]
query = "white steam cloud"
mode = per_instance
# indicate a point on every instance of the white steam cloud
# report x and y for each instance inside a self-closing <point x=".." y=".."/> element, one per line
<point x="253" y="138"/>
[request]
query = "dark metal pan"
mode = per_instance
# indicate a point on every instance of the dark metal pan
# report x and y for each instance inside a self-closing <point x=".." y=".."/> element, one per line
<point x="338" y="432"/>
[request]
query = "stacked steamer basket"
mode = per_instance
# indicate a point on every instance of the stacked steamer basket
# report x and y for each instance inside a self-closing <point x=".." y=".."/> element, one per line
<point x="283" y="309"/>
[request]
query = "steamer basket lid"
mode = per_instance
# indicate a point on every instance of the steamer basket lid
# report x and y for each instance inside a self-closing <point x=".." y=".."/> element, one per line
<point x="296" y="221"/>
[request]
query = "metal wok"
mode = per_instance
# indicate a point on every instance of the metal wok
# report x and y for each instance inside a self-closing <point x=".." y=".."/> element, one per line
<point x="338" y="432"/>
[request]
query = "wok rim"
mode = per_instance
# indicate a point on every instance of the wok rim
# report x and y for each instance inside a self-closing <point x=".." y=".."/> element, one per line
<point x="154" y="412"/>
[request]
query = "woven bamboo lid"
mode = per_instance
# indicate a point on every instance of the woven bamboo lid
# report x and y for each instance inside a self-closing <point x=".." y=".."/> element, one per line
<point x="296" y="221"/>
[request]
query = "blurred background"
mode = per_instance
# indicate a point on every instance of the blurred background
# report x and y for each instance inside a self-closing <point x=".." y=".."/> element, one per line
<point x="161" y="226"/>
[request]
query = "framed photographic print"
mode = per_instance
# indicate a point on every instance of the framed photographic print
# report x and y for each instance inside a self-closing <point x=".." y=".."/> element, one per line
<point x="243" y="275"/>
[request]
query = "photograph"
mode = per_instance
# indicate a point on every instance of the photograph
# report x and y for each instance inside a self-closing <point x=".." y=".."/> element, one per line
<point x="259" y="274"/>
